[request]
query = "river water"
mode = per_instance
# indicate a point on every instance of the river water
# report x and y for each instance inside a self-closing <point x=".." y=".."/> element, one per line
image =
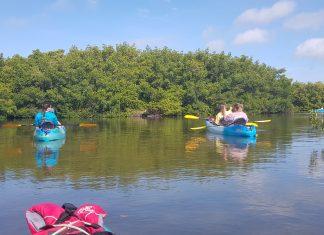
<point x="159" y="177"/>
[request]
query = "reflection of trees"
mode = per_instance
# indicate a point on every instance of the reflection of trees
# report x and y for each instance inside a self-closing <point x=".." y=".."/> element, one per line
<point x="120" y="152"/>
<point x="316" y="162"/>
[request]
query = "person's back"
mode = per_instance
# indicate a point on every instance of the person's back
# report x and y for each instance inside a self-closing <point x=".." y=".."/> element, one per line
<point x="47" y="115"/>
<point x="236" y="115"/>
<point x="222" y="113"/>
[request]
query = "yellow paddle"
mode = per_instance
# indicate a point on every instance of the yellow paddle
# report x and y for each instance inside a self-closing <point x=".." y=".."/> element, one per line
<point x="198" y="128"/>
<point x="263" y="121"/>
<point x="188" y="116"/>
<point x="13" y="125"/>
<point x="251" y="124"/>
<point x="255" y="124"/>
<point x="87" y="124"/>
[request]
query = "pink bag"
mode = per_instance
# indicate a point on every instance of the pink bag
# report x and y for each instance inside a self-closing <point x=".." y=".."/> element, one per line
<point x="87" y="219"/>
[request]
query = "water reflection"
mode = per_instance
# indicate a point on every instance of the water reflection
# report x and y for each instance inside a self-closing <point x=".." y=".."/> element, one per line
<point x="228" y="147"/>
<point x="153" y="171"/>
<point x="47" y="153"/>
<point x="316" y="162"/>
<point x="231" y="147"/>
<point x="193" y="143"/>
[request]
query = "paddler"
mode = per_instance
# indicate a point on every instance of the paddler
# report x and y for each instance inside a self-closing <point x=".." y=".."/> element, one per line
<point x="46" y="115"/>
<point x="221" y="114"/>
<point x="237" y="116"/>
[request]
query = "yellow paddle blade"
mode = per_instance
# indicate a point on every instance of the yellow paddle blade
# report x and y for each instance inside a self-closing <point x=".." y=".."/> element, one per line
<point x="263" y="121"/>
<point x="198" y="128"/>
<point x="11" y="125"/>
<point x="87" y="124"/>
<point x="251" y="124"/>
<point x="191" y="117"/>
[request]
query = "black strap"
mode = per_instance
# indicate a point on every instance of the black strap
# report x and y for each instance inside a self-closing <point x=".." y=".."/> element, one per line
<point x="45" y="227"/>
<point x="96" y="226"/>
<point x="69" y="210"/>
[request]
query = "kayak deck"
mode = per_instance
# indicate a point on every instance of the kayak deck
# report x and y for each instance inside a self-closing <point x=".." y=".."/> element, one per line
<point x="232" y="130"/>
<point x="56" y="133"/>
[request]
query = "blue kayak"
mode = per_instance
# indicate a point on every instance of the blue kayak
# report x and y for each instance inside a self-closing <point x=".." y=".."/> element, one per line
<point x="56" y="133"/>
<point x="232" y="130"/>
<point x="321" y="110"/>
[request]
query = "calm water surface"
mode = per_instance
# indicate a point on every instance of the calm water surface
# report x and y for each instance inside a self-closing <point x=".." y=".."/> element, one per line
<point x="158" y="177"/>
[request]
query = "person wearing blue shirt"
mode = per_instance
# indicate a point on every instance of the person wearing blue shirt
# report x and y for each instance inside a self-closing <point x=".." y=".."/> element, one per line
<point x="47" y="115"/>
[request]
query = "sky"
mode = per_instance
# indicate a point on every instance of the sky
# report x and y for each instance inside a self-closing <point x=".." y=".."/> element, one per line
<point x="285" y="34"/>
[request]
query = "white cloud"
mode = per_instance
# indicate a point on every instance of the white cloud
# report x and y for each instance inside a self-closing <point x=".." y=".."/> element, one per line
<point x="312" y="48"/>
<point x="309" y="20"/>
<point x="216" y="45"/>
<point x="208" y="32"/>
<point x="252" y="36"/>
<point x="15" y="22"/>
<point x="267" y="15"/>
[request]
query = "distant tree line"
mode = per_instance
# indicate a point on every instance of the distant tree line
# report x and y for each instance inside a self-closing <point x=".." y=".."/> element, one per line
<point x="122" y="80"/>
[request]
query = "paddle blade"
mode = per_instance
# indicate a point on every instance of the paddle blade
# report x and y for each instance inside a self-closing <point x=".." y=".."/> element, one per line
<point x="263" y="121"/>
<point x="191" y="117"/>
<point x="11" y="125"/>
<point x="87" y="124"/>
<point x="251" y="124"/>
<point x="198" y="128"/>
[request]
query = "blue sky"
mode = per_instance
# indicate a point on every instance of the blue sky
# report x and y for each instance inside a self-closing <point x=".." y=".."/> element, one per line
<point x="286" y="33"/>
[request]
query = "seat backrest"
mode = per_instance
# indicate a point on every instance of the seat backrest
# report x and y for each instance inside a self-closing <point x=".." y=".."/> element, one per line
<point x="47" y="125"/>
<point x="35" y="221"/>
<point x="240" y="121"/>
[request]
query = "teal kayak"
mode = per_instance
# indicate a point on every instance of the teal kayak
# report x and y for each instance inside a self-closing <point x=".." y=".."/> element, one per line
<point x="321" y="110"/>
<point x="56" y="133"/>
<point x="232" y="130"/>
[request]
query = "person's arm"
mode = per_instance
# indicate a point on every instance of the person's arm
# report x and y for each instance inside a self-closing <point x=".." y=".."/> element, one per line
<point x="218" y="118"/>
<point x="38" y="119"/>
<point x="246" y="118"/>
<point x="55" y="120"/>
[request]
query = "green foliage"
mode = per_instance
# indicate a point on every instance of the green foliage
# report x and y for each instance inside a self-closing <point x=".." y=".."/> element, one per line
<point x="308" y="96"/>
<point x="116" y="81"/>
<point x="317" y="121"/>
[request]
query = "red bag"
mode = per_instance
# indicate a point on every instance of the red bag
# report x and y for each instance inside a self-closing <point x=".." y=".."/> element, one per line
<point x="87" y="219"/>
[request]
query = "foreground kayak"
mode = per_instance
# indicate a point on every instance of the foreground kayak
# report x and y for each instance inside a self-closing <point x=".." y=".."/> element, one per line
<point x="233" y="130"/>
<point x="56" y="133"/>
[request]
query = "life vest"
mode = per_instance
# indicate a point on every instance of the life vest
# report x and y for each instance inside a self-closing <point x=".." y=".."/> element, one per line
<point x="46" y="124"/>
<point x="51" y="219"/>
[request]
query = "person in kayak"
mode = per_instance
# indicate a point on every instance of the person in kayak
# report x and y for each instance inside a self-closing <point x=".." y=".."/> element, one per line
<point x="46" y="116"/>
<point x="222" y="113"/>
<point x="236" y="117"/>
